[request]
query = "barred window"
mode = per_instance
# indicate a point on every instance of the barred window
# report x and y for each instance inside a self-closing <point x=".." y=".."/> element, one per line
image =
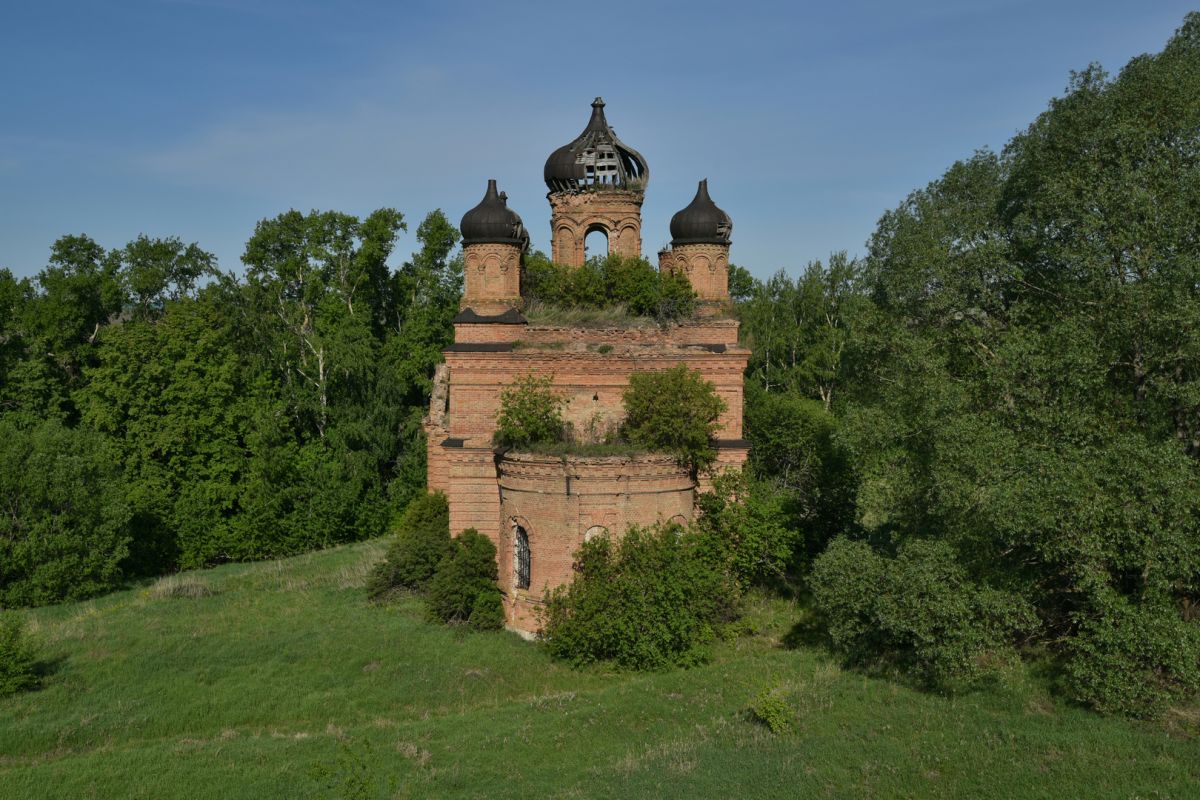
<point x="522" y="557"/>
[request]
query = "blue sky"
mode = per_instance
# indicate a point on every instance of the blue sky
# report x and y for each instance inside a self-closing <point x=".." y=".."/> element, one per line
<point x="197" y="118"/>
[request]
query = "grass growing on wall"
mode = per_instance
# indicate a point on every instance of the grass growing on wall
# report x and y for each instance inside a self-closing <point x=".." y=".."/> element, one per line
<point x="279" y="680"/>
<point x="614" y="316"/>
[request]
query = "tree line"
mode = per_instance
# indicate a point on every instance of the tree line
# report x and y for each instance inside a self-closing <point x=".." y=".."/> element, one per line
<point x="156" y="414"/>
<point x="988" y="427"/>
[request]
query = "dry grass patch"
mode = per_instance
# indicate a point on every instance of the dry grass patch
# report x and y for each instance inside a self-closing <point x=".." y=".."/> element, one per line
<point x="1183" y="722"/>
<point x="181" y="586"/>
<point x="614" y="316"/>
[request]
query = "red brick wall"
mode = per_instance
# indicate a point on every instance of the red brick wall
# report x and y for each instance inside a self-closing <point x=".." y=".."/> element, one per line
<point x="558" y="500"/>
<point x="593" y="382"/>
<point x="437" y="464"/>
<point x="473" y="492"/>
<point x="611" y="493"/>
<point x="705" y="265"/>
<point x="572" y="214"/>
<point x="491" y="277"/>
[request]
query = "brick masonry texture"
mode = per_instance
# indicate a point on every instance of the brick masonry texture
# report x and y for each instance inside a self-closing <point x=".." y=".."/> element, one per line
<point x="574" y="214"/>
<point x="706" y="267"/>
<point x="491" y="277"/>
<point x="591" y="368"/>
<point x="560" y="501"/>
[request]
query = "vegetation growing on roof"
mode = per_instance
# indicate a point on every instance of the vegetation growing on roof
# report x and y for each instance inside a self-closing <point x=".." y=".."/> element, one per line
<point x="606" y="290"/>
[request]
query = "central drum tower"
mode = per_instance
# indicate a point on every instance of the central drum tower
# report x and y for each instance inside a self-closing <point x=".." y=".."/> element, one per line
<point x="597" y="183"/>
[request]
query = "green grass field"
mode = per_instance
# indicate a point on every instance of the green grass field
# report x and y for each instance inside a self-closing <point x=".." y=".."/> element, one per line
<point x="278" y="680"/>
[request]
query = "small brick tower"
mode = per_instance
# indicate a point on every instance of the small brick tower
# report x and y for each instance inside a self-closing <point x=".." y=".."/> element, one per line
<point x="700" y="237"/>
<point x="597" y="183"/>
<point x="493" y="241"/>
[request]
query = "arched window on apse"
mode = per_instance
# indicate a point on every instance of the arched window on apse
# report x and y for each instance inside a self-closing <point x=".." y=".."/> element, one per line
<point x="594" y="531"/>
<point x="521" y="566"/>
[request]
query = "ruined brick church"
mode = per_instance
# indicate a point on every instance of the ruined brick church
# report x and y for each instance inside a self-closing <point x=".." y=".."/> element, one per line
<point x="539" y="509"/>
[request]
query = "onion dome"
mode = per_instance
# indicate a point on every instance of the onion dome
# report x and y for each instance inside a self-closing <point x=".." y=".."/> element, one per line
<point x="597" y="158"/>
<point x="701" y="222"/>
<point x="493" y="222"/>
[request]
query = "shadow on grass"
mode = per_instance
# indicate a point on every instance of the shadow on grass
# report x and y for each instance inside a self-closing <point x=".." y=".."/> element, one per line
<point x="33" y="678"/>
<point x="807" y="632"/>
<point x="46" y="668"/>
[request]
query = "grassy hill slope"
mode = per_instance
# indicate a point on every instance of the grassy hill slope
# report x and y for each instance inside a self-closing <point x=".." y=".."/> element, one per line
<point x="278" y="680"/>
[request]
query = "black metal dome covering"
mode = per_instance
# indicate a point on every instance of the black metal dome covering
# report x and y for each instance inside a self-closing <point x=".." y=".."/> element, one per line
<point x="493" y="222"/>
<point x="596" y="159"/>
<point x="701" y="222"/>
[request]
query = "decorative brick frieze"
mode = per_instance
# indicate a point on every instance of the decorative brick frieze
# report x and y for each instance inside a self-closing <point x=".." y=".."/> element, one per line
<point x="706" y="267"/>
<point x="491" y="278"/>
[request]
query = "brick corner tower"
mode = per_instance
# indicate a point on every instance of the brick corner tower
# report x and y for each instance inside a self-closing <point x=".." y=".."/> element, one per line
<point x="700" y="239"/>
<point x="494" y="240"/>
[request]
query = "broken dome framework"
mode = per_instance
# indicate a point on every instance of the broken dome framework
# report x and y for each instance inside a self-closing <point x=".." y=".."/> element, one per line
<point x="596" y="183"/>
<point x="539" y="509"/>
<point x="596" y="159"/>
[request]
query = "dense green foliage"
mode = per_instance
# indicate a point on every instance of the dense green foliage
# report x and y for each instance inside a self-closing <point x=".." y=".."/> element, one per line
<point x="463" y="588"/>
<point x="421" y="539"/>
<point x="65" y="527"/>
<point x="649" y="600"/>
<point x="656" y="597"/>
<point x="487" y="611"/>
<point x="457" y="576"/>
<point x="800" y="465"/>
<point x="1130" y="659"/>
<point x="745" y="530"/>
<point x="772" y="709"/>
<point x="674" y="411"/>
<point x="611" y="280"/>
<point x="1010" y="384"/>
<point x="799" y="330"/>
<point x="1042" y="412"/>
<point x="18" y="657"/>
<point x="530" y="413"/>
<point x="221" y="419"/>
<point x="919" y="610"/>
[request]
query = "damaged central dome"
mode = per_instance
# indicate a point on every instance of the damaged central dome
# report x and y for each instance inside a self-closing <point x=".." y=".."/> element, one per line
<point x="596" y="159"/>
